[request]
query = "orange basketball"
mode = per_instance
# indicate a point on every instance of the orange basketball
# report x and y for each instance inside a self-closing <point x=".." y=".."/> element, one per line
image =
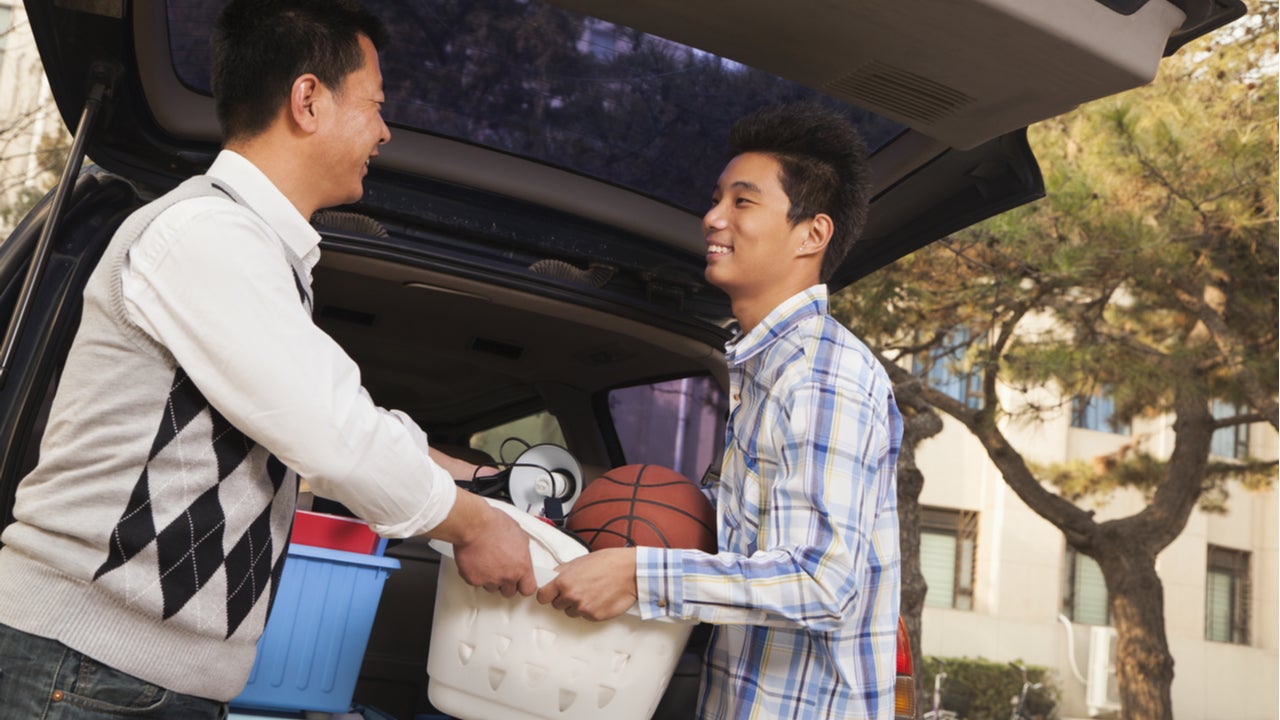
<point x="646" y="505"/>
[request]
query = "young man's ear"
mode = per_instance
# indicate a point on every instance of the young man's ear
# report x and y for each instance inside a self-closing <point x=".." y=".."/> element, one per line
<point x="303" y="97"/>
<point x="819" y="234"/>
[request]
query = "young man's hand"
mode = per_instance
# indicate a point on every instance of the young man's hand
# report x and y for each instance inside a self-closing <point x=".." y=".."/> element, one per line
<point x="598" y="586"/>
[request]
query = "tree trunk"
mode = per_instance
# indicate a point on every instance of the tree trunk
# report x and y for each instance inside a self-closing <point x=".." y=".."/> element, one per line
<point x="914" y="587"/>
<point x="1144" y="666"/>
<point x="919" y="421"/>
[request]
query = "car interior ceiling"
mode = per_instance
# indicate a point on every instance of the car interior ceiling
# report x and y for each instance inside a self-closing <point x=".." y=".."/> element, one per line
<point x="456" y="353"/>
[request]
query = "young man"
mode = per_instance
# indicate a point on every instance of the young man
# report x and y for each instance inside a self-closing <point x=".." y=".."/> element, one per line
<point x="803" y="593"/>
<point x="149" y="539"/>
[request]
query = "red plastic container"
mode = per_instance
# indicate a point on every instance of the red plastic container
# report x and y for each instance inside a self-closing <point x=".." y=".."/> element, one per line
<point x="334" y="532"/>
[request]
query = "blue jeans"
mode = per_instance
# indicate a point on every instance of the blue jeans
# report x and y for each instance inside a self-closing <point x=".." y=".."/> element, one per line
<point x="42" y="679"/>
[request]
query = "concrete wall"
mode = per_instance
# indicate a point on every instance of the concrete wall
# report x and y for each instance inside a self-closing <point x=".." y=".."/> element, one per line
<point x="1019" y="572"/>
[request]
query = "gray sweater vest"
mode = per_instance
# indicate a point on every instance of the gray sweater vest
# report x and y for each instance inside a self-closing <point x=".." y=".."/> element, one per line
<point x="151" y="534"/>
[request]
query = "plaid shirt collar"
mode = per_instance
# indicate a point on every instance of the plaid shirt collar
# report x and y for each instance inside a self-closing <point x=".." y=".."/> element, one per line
<point x="791" y="312"/>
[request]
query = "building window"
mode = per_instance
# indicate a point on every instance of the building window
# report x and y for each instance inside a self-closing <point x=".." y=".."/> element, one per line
<point x="1230" y="442"/>
<point x="1226" y="602"/>
<point x="948" y="541"/>
<point x="947" y="369"/>
<point x="1084" y="597"/>
<point x="1097" y="412"/>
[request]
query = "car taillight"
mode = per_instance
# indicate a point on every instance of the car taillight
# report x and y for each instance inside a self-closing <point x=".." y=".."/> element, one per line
<point x="904" y="650"/>
<point x="904" y="698"/>
<point x="904" y="687"/>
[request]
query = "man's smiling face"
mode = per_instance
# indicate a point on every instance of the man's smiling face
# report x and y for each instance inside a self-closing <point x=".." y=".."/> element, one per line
<point x="749" y="239"/>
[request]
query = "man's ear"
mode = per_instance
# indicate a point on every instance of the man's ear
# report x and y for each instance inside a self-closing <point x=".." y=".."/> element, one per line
<point x="818" y="235"/>
<point x="303" y="98"/>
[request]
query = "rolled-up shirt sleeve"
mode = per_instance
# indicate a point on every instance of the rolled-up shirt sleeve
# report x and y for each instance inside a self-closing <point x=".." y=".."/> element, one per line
<point x="212" y="285"/>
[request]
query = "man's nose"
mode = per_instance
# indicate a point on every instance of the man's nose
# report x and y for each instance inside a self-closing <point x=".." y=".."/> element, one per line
<point x="713" y="220"/>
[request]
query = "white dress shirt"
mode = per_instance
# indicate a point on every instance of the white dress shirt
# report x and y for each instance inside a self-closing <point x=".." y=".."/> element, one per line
<point x="210" y="282"/>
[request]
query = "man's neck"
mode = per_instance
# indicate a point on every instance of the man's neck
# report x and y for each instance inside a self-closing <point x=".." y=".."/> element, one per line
<point x="751" y="310"/>
<point x="281" y="168"/>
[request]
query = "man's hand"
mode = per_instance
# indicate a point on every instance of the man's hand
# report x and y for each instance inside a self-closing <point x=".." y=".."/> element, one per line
<point x="491" y="550"/>
<point x="597" y="586"/>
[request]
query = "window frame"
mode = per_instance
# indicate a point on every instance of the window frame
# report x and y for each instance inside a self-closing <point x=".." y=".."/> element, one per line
<point x="1071" y="588"/>
<point x="1235" y="565"/>
<point x="1237" y="436"/>
<point x="962" y="526"/>
<point x="1097" y="412"/>
<point x="943" y="369"/>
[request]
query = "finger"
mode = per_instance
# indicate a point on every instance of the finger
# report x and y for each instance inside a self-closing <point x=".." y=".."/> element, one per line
<point x="507" y="589"/>
<point x="528" y="585"/>
<point x="548" y="593"/>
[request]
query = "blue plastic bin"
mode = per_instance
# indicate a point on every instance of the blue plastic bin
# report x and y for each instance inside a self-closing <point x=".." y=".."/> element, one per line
<point x="309" y="656"/>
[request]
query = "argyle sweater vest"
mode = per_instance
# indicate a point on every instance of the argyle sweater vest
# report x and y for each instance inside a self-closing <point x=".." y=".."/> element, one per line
<point x="152" y="533"/>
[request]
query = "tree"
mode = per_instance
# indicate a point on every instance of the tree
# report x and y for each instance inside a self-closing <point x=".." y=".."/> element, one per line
<point x="33" y="143"/>
<point x="919" y="422"/>
<point x="1149" y="272"/>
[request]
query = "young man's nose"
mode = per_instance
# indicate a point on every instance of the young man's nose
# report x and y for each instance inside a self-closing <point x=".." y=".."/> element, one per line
<point x="713" y="220"/>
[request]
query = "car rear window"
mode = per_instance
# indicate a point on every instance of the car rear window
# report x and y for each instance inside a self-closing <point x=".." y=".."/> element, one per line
<point x="561" y="88"/>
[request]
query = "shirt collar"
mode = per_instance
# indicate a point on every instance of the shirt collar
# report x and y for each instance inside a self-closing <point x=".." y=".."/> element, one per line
<point x="789" y="313"/>
<point x="264" y="198"/>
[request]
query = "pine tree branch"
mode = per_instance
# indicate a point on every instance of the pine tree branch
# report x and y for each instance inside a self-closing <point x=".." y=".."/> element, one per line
<point x="1233" y="349"/>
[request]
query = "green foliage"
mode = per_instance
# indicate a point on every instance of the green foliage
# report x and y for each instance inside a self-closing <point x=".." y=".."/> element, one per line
<point x="1098" y="478"/>
<point x="1151" y="267"/>
<point x="978" y="689"/>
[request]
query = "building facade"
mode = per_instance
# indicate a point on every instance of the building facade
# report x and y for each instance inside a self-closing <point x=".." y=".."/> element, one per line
<point x="1004" y="585"/>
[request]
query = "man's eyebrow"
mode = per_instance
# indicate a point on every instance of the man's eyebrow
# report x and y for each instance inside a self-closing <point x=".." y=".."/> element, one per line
<point x="745" y="185"/>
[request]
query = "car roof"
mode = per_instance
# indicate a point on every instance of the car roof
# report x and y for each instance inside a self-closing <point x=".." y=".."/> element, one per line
<point x="943" y="93"/>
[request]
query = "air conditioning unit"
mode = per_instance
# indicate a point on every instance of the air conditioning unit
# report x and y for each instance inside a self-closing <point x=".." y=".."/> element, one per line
<point x="1102" y="692"/>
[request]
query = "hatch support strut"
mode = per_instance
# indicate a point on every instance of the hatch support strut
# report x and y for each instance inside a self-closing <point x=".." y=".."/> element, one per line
<point x="101" y="78"/>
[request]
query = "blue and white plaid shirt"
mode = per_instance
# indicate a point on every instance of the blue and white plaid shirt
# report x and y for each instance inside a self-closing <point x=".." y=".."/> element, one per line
<point x="804" y="591"/>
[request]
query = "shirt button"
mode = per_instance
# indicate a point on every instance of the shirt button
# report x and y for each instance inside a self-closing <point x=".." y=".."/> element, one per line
<point x="662" y="603"/>
<point x="737" y="397"/>
<point x="57" y="696"/>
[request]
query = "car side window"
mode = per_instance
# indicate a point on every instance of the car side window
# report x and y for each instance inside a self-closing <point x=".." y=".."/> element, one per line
<point x="675" y="423"/>
<point x="505" y="442"/>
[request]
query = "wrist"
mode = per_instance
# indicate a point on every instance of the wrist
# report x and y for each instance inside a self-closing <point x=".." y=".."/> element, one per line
<point x="469" y="518"/>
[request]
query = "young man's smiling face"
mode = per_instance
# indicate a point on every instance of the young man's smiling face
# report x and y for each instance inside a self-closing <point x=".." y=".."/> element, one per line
<point x="751" y="246"/>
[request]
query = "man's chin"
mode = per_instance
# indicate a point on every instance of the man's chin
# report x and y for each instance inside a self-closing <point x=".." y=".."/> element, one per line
<point x="711" y="275"/>
<point x="347" y="199"/>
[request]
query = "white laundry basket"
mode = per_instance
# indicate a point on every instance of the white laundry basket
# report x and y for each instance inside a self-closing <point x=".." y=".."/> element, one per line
<point x="496" y="657"/>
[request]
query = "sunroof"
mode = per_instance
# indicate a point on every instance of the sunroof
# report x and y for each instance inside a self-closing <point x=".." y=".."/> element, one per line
<point x="558" y="87"/>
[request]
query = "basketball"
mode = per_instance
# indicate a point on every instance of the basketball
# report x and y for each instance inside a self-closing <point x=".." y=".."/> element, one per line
<point x="647" y="505"/>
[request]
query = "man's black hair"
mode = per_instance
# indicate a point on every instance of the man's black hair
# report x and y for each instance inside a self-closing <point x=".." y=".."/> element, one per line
<point x="260" y="47"/>
<point x="824" y="168"/>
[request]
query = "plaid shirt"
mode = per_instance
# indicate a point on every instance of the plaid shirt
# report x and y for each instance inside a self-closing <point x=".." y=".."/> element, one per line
<point x="804" y="591"/>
